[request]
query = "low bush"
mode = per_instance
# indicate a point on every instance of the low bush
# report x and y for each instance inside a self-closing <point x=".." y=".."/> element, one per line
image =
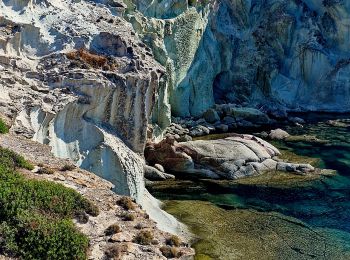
<point x="128" y="217"/>
<point x="94" y="60"/>
<point x="3" y="127"/>
<point x="126" y="203"/>
<point x="170" y="252"/>
<point x="116" y="251"/>
<point x="45" y="170"/>
<point x="67" y="167"/>
<point x="173" y="241"/>
<point x="113" y="229"/>
<point x="144" y="238"/>
<point x="36" y="216"/>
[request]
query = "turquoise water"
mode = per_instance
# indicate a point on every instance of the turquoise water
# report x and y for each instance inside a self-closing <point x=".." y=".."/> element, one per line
<point x="321" y="203"/>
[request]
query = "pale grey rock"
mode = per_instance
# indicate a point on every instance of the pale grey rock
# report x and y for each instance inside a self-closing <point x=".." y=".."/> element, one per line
<point x="159" y="167"/>
<point x="153" y="174"/>
<point x="297" y="168"/>
<point x="93" y="109"/>
<point x="278" y="134"/>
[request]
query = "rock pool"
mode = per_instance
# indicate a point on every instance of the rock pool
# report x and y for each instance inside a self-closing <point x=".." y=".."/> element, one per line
<point x="275" y="215"/>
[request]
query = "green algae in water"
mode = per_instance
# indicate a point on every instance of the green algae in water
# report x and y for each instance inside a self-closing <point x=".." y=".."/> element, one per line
<point x="249" y="234"/>
<point x="276" y="215"/>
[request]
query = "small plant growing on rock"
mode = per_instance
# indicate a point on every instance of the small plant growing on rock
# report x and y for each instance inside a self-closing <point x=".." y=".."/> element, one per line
<point x="82" y="217"/>
<point x="173" y="241"/>
<point x="116" y="251"/>
<point x="144" y="238"/>
<point x="67" y="167"/>
<point x="112" y="229"/>
<point x="45" y="170"/>
<point x="139" y="226"/>
<point x="128" y="217"/>
<point x="126" y="203"/>
<point x="170" y="252"/>
<point x="94" y="60"/>
<point x="3" y="127"/>
<point x="91" y="208"/>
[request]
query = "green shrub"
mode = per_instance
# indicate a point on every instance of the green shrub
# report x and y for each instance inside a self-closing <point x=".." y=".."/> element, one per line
<point x="12" y="160"/>
<point x="36" y="216"/>
<point x="3" y="127"/>
<point x="144" y="238"/>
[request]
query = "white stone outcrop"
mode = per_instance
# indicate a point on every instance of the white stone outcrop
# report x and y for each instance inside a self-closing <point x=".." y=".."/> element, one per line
<point x="75" y="76"/>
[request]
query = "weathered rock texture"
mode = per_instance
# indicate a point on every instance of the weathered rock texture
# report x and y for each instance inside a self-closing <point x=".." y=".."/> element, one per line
<point x="74" y="75"/>
<point x="290" y="54"/>
<point x="234" y="157"/>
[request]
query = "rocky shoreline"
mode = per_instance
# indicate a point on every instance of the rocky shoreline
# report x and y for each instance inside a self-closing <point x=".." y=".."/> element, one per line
<point x="207" y="147"/>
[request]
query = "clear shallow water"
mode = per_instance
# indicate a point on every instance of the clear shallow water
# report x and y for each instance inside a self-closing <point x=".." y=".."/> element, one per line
<point x="321" y="204"/>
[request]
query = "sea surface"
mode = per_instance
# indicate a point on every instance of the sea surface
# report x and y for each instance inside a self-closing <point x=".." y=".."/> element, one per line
<point x="276" y="215"/>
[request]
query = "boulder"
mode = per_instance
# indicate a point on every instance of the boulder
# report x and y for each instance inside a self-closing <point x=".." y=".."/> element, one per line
<point x="159" y="167"/>
<point x="248" y="114"/>
<point x="278" y="134"/>
<point x="168" y="153"/>
<point x="199" y="131"/>
<point x="292" y="167"/>
<point x="211" y="116"/>
<point x="222" y="128"/>
<point x="154" y="174"/>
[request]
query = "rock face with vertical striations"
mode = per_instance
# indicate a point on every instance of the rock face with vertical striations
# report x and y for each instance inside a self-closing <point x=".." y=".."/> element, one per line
<point x="76" y="77"/>
<point x="270" y="54"/>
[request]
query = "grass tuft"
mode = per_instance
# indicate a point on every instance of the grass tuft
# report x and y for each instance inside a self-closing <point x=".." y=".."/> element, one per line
<point x="3" y="127"/>
<point x="144" y="238"/>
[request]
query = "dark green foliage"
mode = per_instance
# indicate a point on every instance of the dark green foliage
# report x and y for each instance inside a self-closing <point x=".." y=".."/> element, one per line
<point x="35" y="216"/>
<point x="10" y="159"/>
<point x="3" y="127"/>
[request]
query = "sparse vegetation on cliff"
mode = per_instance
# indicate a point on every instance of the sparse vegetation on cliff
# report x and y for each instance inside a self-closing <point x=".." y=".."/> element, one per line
<point x="3" y="127"/>
<point x="36" y="216"/>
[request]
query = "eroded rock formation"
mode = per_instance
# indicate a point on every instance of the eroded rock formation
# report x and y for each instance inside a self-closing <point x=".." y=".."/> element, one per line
<point x="75" y="76"/>
<point x="231" y="158"/>
<point x="275" y="53"/>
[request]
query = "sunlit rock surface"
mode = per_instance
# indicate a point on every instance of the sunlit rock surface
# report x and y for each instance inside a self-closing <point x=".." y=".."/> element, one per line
<point x="76" y="77"/>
